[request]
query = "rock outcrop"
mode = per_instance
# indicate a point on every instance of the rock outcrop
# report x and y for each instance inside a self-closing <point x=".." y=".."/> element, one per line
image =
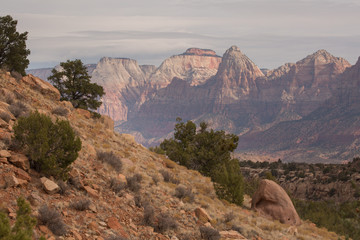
<point x="194" y="66"/>
<point x="122" y="80"/>
<point x="271" y="200"/>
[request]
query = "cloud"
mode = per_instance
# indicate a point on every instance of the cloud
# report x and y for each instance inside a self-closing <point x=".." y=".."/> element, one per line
<point x="270" y="32"/>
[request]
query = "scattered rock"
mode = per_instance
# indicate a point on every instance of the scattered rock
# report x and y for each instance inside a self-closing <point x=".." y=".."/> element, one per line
<point x="20" y="160"/>
<point x="21" y="174"/>
<point x="91" y="192"/>
<point x="11" y="180"/>
<point x="44" y="87"/>
<point x="83" y="112"/>
<point x="202" y="215"/>
<point x="271" y="200"/>
<point x="231" y="234"/>
<point x="49" y="186"/>
<point x="4" y="154"/>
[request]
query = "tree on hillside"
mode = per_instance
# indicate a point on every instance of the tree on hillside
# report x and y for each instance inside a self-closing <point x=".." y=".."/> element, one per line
<point x="73" y="82"/>
<point x="209" y="152"/>
<point x="13" y="52"/>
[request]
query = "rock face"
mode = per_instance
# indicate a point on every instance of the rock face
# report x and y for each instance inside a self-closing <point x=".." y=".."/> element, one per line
<point x="42" y="86"/>
<point x="122" y="80"/>
<point x="271" y="200"/>
<point x="195" y="66"/>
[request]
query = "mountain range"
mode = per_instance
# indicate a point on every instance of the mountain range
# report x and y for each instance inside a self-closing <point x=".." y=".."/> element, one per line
<point x="304" y="111"/>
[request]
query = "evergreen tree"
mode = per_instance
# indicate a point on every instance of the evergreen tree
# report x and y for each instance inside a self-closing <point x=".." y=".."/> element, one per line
<point x="209" y="152"/>
<point x="23" y="228"/>
<point x="51" y="147"/>
<point x="73" y="82"/>
<point x="13" y="52"/>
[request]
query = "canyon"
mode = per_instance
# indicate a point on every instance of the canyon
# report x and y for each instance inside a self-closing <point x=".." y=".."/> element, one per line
<point x="303" y="111"/>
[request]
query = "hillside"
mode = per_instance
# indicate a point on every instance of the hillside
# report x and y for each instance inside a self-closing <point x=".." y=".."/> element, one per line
<point x="115" y="210"/>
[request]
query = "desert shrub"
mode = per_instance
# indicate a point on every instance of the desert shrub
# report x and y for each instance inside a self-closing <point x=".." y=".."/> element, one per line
<point x="18" y="109"/>
<point x="115" y="237"/>
<point x="53" y="220"/>
<point x="228" y="217"/>
<point x="165" y="222"/>
<point x="81" y="204"/>
<point x="111" y="159"/>
<point x="169" y="177"/>
<point x="133" y="182"/>
<point x="138" y="200"/>
<point x="238" y="229"/>
<point x="184" y="193"/>
<point x="155" y="179"/>
<point x="61" y="111"/>
<point x="23" y="228"/>
<point x="5" y="116"/>
<point x="149" y="214"/>
<point x="63" y="187"/>
<point x="116" y="185"/>
<point x="51" y="147"/>
<point x="16" y="75"/>
<point x="7" y="98"/>
<point x="209" y="233"/>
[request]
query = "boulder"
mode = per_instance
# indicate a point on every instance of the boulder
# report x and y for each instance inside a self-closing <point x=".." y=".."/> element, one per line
<point x="231" y="234"/>
<point x="11" y="181"/>
<point x="202" y="215"/>
<point x="83" y="112"/>
<point x="20" y="160"/>
<point x="49" y="186"/>
<point x="271" y="200"/>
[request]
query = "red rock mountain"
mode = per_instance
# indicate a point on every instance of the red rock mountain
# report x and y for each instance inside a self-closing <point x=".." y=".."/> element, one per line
<point x="194" y="66"/>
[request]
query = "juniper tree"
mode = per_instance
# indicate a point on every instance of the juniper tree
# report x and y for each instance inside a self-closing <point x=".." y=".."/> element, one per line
<point x="13" y="52"/>
<point x="73" y="82"/>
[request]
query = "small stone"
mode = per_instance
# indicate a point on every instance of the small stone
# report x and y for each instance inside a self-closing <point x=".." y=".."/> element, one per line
<point x="49" y="186"/>
<point x="4" y="154"/>
<point x="3" y="160"/>
<point x="44" y="229"/>
<point x="122" y="178"/>
<point x="91" y="191"/>
<point x="21" y="174"/>
<point x="113" y="223"/>
<point x="20" y="160"/>
<point x="11" y="181"/>
<point x="76" y="235"/>
<point x="231" y="234"/>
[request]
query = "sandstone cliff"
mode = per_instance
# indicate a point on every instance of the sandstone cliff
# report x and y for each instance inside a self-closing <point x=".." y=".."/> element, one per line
<point x="194" y="66"/>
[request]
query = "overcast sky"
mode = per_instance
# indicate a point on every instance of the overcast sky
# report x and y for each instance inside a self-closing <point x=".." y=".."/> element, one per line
<point x="270" y="32"/>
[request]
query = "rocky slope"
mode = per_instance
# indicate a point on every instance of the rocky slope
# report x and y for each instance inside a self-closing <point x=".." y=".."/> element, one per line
<point x="118" y="211"/>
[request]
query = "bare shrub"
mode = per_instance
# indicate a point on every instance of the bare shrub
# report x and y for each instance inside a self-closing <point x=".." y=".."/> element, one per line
<point x="81" y="204"/>
<point x="238" y="229"/>
<point x="5" y="116"/>
<point x="53" y="220"/>
<point x="184" y="193"/>
<point x="18" y="109"/>
<point x="116" y="185"/>
<point x="61" y="111"/>
<point x="209" y="233"/>
<point x="228" y="217"/>
<point x="138" y="200"/>
<point x="16" y="75"/>
<point x="165" y="222"/>
<point x="64" y="188"/>
<point x="115" y="237"/>
<point x="169" y="177"/>
<point x="111" y="159"/>
<point x="133" y="183"/>
<point x="155" y="179"/>
<point x="7" y="98"/>
<point x="149" y="215"/>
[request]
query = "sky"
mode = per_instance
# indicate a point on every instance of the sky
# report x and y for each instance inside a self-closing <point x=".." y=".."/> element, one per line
<point x="269" y="32"/>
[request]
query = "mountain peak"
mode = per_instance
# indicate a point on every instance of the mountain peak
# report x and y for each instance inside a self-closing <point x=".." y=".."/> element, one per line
<point x="200" y="52"/>
<point x="322" y="56"/>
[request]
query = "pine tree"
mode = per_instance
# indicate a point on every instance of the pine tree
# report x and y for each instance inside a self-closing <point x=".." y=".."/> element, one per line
<point x="13" y="52"/>
<point x="73" y="82"/>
